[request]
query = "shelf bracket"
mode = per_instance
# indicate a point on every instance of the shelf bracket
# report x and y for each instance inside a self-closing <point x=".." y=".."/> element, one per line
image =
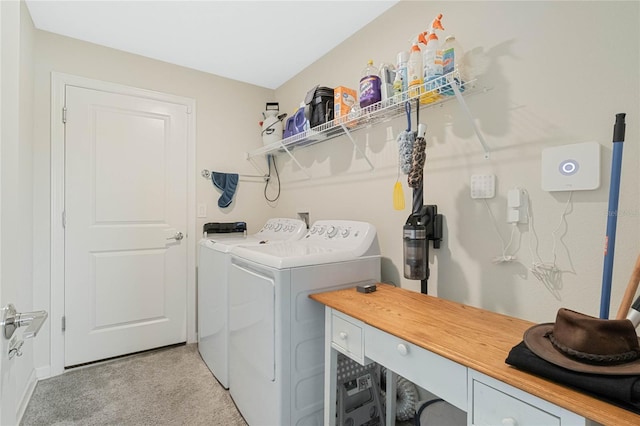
<point x="348" y="133"/>
<point x="284" y="148"/>
<point x="465" y="108"/>
<point x="255" y="164"/>
<point x="293" y="157"/>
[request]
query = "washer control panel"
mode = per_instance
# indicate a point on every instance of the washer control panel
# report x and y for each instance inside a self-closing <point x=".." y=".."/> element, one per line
<point x="340" y="233"/>
<point x="283" y="229"/>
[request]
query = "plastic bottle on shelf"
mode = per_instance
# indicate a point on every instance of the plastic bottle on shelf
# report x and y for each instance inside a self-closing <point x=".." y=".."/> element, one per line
<point x="401" y="68"/>
<point x="433" y="63"/>
<point x="397" y="88"/>
<point x="453" y="61"/>
<point x="415" y="72"/>
<point x="369" y="86"/>
<point x="387" y="73"/>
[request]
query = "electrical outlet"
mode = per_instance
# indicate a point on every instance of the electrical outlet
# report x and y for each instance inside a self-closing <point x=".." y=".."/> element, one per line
<point x="483" y="186"/>
<point x="513" y="198"/>
<point x="304" y="216"/>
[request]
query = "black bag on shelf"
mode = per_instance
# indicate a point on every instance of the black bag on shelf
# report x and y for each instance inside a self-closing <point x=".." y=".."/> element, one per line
<point x="319" y="106"/>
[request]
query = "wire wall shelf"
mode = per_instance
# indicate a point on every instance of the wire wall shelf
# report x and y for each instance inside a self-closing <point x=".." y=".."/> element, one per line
<point x="443" y="90"/>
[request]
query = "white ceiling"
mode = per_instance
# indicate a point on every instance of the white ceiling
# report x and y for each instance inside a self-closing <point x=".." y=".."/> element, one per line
<point x="259" y="42"/>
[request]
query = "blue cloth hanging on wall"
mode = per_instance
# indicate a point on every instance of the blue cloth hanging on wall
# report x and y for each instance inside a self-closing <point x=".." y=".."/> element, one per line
<point x="227" y="183"/>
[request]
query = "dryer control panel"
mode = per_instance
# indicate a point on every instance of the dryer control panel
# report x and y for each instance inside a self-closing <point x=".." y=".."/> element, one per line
<point x="282" y="229"/>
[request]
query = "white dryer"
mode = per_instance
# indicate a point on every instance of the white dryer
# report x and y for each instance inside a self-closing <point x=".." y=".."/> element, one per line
<point x="213" y="266"/>
<point x="276" y="333"/>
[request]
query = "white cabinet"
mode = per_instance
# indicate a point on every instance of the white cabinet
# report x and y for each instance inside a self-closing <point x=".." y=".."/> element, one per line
<point x="487" y="401"/>
<point x="454" y="351"/>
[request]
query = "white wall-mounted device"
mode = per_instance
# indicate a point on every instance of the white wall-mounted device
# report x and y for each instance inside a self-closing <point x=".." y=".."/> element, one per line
<point x="517" y="206"/>
<point x="483" y="186"/>
<point x="574" y="167"/>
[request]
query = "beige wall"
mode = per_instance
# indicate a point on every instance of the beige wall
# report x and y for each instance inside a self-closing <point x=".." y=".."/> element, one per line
<point x="226" y="126"/>
<point x="555" y="76"/>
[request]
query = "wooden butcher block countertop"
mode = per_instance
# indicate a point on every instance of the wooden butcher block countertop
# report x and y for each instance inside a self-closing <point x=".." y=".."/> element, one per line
<point x="472" y="337"/>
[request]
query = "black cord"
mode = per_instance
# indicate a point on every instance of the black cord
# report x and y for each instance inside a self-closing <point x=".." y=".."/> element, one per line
<point x="266" y="185"/>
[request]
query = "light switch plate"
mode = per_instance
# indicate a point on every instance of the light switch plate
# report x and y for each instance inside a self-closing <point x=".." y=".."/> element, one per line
<point x="483" y="186"/>
<point x="202" y="210"/>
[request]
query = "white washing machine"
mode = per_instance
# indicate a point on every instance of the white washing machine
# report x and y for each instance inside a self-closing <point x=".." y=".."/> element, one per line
<point x="276" y="333"/>
<point x="213" y="266"/>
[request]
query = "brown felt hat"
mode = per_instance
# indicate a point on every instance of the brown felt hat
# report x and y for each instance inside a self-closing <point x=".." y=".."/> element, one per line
<point x="585" y="344"/>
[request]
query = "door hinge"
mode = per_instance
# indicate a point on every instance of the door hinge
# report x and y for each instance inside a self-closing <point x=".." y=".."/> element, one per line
<point x="64" y="323"/>
<point x="64" y="219"/>
<point x="64" y="114"/>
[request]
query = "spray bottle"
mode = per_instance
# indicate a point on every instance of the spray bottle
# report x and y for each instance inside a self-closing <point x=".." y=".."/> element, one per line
<point x="433" y="62"/>
<point x="415" y="71"/>
<point x="401" y="69"/>
<point x="397" y="88"/>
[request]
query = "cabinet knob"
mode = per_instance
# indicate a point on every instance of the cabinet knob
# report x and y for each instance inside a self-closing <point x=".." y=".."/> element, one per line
<point x="402" y="349"/>
<point x="509" y="421"/>
<point x="343" y="335"/>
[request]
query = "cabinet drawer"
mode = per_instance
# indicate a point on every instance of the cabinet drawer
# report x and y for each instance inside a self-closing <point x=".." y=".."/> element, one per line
<point x="492" y="402"/>
<point x="442" y="377"/>
<point x="347" y="337"/>
<point x="493" y="407"/>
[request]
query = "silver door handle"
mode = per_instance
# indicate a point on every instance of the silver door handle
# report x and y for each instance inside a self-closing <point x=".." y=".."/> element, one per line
<point x="178" y="236"/>
<point x="11" y="320"/>
<point x="15" y="348"/>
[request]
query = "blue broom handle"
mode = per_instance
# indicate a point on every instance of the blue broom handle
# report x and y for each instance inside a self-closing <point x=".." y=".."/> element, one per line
<point x="612" y="215"/>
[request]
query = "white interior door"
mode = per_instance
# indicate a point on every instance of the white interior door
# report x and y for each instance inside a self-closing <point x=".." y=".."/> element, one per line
<point x="9" y="69"/>
<point x="125" y="201"/>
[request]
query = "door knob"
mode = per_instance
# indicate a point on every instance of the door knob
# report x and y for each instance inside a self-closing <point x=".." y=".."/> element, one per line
<point x="11" y="320"/>
<point x="178" y="236"/>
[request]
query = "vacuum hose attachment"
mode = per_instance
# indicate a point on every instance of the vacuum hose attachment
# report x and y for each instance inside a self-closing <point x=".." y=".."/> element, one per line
<point x="406" y="396"/>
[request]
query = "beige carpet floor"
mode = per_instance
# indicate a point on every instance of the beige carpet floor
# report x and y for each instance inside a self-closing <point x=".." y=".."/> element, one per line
<point x="170" y="386"/>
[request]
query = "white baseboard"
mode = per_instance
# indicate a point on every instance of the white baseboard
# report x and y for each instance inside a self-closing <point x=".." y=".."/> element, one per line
<point x="26" y="396"/>
<point x="43" y="372"/>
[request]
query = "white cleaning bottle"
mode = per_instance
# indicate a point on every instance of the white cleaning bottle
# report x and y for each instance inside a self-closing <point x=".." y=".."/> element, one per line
<point x="401" y="69"/>
<point x="397" y="88"/>
<point x="415" y="71"/>
<point x="433" y="63"/>
<point x="453" y="64"/>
